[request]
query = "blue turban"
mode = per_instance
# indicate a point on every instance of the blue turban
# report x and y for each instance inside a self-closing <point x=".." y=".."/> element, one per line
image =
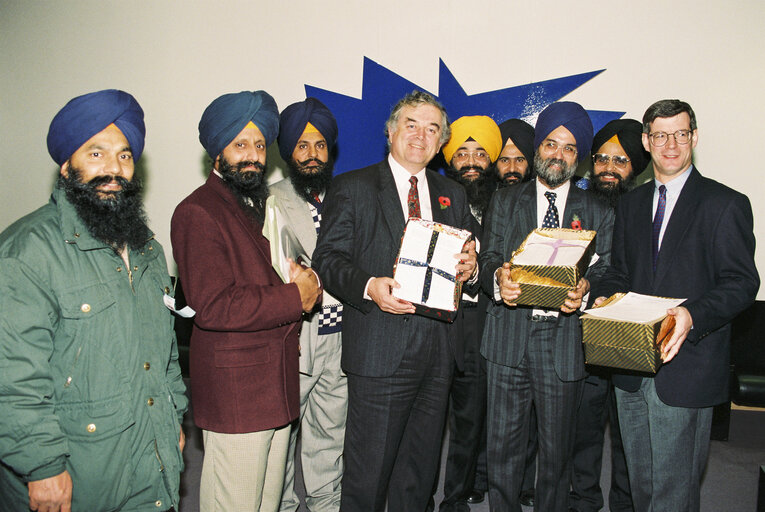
<point x="571" y="116"/>
<point x="87" y="115"/>
<point x="293" y="121"/>
<point x="227" y="115"/>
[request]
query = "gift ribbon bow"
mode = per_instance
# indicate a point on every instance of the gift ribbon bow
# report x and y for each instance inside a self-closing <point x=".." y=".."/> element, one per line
<point x="429" y="269"/>
<point x="557" y="244"/>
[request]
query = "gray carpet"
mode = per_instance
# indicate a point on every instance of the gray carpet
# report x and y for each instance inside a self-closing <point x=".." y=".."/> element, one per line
<point x="730" y="483"/>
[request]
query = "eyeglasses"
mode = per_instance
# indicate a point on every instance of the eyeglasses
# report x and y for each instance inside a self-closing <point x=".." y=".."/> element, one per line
<point x="658" y="139"/>
<point x="603" y="159"/>
<point x="550" y="146"/>
<point x="478" y="156"/>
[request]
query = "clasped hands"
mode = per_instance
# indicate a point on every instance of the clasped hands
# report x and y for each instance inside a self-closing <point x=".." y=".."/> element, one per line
<point x="510" y="290"/>
<point x="307" y="283"/>
<point x="380" y="289"/>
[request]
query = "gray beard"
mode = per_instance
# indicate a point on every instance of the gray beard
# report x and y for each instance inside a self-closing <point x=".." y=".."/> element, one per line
<point x="543" y="169"/>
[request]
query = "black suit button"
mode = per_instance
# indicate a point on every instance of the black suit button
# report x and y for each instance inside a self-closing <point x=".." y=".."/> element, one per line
<point x="406" y="319"/>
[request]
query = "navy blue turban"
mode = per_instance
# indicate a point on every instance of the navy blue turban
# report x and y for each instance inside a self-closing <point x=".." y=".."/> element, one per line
<point x="87" y="115"/>
<point x="629" y="132"/>
<point x="227" y="115"/>
<point x="522" y="135"/>
<point x="571" y="116"/>
<point x="293" y="121"/>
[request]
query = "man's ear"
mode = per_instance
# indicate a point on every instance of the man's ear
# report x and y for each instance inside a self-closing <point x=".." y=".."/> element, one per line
<point x="65" y="169"/>
<point x="216" y="162"/>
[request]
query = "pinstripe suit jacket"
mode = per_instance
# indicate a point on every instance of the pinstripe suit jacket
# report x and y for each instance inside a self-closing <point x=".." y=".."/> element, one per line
<point x="362" y="226"/>
<point x="512" y="216"/>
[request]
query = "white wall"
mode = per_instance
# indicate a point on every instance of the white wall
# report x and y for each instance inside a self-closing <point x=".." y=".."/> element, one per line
<point x="175" y="57"/>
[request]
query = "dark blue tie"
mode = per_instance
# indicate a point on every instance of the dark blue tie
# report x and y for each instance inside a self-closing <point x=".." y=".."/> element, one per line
<point x="658" y="219"/>
<point x="551" y="217"/>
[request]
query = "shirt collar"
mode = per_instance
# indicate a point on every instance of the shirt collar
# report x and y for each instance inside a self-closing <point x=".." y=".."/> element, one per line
<point x="400" y="173"/>
<point x="675" y="185"/>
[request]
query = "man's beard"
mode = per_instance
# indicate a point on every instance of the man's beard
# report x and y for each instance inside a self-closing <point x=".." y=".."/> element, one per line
<point x="480" y="189"/>
<point x="305" y="182"/>
<point x="248" y="187"/>
<point x="507" y="181"/>
<point x="117" y="217"/>
<point x="614" y="190"/>
<point x="553" y="178"/>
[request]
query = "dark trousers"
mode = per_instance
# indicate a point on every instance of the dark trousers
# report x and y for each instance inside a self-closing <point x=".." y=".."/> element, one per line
<point x="395" y="425"/>
<point x="598" y="406"/>
<point x="467" y="416"/>
<point x="512" y="390"/>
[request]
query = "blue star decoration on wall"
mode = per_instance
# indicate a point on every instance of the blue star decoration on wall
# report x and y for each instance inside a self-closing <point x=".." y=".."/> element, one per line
<point x="361" y="122"/>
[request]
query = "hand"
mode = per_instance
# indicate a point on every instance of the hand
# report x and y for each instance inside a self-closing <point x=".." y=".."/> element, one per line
<point x="52" y="494"/>
<point x="380" y="289"/>
<point x="683" y="324"/>
<point x="182" y="441"/>
<point x="508" y="289"/>
<point x="574" y="300"/>
<point x="307" y="284"/>
<point x="600" y="300"/>
<point x="468" y="264"/>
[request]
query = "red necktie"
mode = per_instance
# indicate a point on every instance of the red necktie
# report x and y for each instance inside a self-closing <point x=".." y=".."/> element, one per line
<point x="413" y="199"/>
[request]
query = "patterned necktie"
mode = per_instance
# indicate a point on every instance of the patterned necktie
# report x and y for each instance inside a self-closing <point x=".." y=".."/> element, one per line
<point x="658" y="219"/>
<point x="551" y="217"/>
<point x="413" y="199"/>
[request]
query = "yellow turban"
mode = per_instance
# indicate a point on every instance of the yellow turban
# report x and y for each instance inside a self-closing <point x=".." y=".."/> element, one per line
<point x="481" y="129"/>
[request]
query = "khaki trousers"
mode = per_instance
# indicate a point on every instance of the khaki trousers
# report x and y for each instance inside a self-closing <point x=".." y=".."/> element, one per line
<point x="243" y="472"/>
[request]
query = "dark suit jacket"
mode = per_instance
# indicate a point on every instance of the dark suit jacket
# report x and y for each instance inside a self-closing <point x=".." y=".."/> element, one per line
<point x="361" y="230"/>
<point x="512" y="216"/>
<point x="706" y="256"/>
<point x="244" y="345"/>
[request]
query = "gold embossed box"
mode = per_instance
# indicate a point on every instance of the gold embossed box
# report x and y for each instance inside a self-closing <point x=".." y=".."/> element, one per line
<point x="546" y="284"/>
<point x="628" y="345"/>
<point x="425" y="268"/>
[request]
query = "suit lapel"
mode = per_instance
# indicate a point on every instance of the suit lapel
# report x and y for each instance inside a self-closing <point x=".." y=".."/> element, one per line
<point x="527" y="208"/>
<point x="439" y="214"/>
<point x="678" y="224"/>
<point x="300" y="219"/>
<point x="574" y="206"/>
<point x="390" y="205"/>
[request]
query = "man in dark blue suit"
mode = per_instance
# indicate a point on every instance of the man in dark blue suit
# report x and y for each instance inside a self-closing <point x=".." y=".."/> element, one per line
<point x="399" y="365"/>
<point x="685" y="236"/>
<point x="535" y="356"/>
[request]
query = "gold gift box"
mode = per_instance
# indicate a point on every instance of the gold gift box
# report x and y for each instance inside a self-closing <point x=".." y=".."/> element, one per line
<point x="627" y="345"/>
<point x="547" y="286"/>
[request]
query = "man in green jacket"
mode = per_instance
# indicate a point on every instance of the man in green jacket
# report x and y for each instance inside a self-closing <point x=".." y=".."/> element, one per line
<point x="91" y="395"/>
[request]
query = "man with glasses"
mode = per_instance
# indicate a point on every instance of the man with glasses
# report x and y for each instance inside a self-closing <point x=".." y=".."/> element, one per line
<point x="618" y="157"/>
<point x="535" y="355"/>
<point x="680" y="235"/>
<point x="472" y="149"/>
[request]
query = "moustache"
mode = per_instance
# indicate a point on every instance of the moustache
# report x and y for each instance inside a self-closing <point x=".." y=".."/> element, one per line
<point x="241" y="166"/>
<point x="316" y="161"/>
<point x="105" y="179"/>
<point x="610" y="174"/>
<point x="512" y="176"/>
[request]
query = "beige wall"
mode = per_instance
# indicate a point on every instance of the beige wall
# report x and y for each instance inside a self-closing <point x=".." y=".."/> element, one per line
<point x="175" y="57"/>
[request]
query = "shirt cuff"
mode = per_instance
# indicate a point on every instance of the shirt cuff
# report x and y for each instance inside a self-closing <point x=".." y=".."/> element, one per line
<point x="366" y="289"/>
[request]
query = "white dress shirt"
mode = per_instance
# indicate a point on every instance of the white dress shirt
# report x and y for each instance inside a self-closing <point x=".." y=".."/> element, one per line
<point x="674" y="187"/>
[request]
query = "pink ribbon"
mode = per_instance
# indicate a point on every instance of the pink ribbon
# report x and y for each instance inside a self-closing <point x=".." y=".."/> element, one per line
<point x="557" y="244"/>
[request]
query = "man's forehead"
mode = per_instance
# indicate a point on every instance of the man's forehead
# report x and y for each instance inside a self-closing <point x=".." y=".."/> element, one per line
<point x="423" y="113"/>
<point x="111" y="134"/>
<point x="683" y="120"/>
<point x="250" y="131"/>
<point x="311" y="136"/>
<point x="561" y="134"/>
<point x="471" y="145"/>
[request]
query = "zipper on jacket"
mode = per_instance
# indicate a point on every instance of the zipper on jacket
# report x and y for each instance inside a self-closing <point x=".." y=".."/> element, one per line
<point x="156" y="452"/>
<point x="71" y="370"/>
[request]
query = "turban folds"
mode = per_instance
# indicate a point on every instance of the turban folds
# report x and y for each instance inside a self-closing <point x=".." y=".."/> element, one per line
<point x="629" y="132"/>
<point x="227" y="115"/>
<point x="294" y="119"/>
<point x="571" y="116"/>
<point x="481" y="129"/>
<point x="522" y="135"/>
<point x="87" y="115"/>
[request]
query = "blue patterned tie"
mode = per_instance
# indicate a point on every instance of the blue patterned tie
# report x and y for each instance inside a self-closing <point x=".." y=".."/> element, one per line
<point x="658" y="219"/>
<point x="551" y="217"/>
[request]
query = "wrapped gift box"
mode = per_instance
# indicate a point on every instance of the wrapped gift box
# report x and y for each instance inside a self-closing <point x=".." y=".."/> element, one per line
<point x="548" y="265"/>
<point x="425" y="268"/>
<point x="627" y="344"/>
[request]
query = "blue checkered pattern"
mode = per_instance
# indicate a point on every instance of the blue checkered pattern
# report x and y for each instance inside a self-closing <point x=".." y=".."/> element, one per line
<point x="330" y="318"/>
<point x="316" y="216"/>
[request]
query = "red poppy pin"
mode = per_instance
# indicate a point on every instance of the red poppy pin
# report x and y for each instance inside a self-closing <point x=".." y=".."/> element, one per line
<point x="445" y="202"/>
<point x="576" y="224"/>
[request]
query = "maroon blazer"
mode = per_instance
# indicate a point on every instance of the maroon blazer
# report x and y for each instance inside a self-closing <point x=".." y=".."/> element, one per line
<point x="244" y="344"/>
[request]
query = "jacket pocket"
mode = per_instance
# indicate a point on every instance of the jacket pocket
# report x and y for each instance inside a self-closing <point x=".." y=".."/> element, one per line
<point x="238" y="357"/>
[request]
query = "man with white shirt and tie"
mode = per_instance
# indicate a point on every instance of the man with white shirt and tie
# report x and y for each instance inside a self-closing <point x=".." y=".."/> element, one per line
<point x="535" y="355"/>
<point x="399" y="365"/>
<point x="685" y="236"/>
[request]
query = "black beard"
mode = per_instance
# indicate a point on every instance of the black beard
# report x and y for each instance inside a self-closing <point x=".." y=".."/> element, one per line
<point x="542" y="168"/>
<point x="117" y="219"/>
<point x="505" y="181"/>
<point x="305" y="182"/>
<point x="480" y="189"/>
<point x="248" y="187"/>
<point x="612" y="194"/>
